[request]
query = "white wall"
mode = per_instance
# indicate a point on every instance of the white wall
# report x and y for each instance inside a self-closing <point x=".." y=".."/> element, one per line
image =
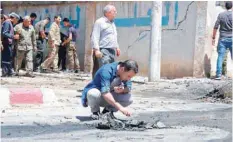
<point x="177" y="45"/>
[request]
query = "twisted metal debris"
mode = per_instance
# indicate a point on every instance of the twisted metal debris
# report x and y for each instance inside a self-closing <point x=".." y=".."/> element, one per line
<point x="108" y="121"/>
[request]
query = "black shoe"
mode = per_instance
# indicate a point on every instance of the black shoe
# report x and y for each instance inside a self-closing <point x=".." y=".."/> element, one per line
<point x="105" y="111"/>
<point x="45" y="71"/>
<point x="110" y="113"/>
<point x="95" y="115"/>
<point x="30" y="75"/>
<point x="77" y="71"/>
<point x="17" y="74"/>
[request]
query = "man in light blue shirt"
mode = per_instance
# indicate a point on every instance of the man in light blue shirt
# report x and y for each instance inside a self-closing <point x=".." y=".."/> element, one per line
<point x="104" y="39"/>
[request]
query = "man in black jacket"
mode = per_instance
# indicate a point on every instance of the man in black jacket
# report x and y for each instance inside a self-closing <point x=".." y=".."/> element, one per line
<point x="7" y="37"/>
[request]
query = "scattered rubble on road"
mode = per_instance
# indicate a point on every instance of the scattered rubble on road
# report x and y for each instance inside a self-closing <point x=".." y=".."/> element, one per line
<point x="222" y="94"/>
<point x="107" y="121"/>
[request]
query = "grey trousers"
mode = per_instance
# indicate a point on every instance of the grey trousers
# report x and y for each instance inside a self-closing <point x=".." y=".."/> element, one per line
<point x="95" y="100"/>
<point x="109" y="56"/>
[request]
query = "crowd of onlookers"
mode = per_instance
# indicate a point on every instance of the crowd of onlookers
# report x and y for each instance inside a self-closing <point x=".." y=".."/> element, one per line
<point x="24" y="42"/>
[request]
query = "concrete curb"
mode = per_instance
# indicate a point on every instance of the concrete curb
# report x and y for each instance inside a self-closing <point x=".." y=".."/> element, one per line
<point x="65" y="76"/>
<point x="26" y="96"/>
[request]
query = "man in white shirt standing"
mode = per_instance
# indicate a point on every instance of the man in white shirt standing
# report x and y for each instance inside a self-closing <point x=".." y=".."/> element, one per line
<point x="104" y="39"/>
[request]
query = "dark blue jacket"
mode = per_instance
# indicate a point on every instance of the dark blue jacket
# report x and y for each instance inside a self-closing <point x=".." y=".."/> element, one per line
<point x="7" y="33"/>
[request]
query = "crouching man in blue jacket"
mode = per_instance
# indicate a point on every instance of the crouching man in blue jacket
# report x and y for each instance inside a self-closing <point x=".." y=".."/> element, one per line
<point x="110" y="88"/>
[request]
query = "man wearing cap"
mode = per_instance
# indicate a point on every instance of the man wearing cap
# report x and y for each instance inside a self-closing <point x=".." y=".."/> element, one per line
<point x="26" y="45"/>
<point x="7" y="36"/>
<point x="54" y="40"/>
<point x="15" y="19"/>
<point x="41" y="41"/>
<point x="69" y="43"/>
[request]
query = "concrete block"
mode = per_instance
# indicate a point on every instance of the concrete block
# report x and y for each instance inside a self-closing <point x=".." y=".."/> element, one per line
<point x="229" y="66"/>
<point x="26" y="96"/>
<point x="213" y="62"/>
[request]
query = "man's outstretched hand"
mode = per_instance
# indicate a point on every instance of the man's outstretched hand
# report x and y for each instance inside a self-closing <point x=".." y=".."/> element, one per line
<point x="125" y="111"/>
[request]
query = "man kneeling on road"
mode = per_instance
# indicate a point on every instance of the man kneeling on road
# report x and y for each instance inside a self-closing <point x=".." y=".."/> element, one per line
<point x="110" y="88"/>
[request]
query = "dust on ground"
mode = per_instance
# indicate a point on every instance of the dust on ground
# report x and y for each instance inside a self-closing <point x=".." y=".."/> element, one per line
<point x="183" y="104"/>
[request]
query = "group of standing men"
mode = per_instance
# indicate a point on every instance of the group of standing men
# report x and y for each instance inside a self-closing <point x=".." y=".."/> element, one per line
<point x="22" y="38"/>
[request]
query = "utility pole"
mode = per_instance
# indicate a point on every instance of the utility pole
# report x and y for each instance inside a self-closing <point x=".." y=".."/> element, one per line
<point x="155" y="41"/>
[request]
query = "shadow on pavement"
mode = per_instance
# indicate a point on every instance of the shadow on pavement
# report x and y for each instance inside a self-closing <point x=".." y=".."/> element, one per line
<point x="84" y="118"/>
<point x="14" y="131"/>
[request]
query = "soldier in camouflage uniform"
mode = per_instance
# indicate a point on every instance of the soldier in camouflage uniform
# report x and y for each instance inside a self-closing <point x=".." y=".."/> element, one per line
<point x="15" y="19"/>
<point x="70" y="43"/>
<point x="54" y="40"/>
<point x="26" y="45"/>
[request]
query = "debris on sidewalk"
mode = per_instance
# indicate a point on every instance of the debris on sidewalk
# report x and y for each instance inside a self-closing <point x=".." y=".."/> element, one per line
<point x="107" y="121"/>
<point x="220" y="94"/>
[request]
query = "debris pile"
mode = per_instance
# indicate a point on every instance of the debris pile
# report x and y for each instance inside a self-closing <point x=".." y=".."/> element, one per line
<point x="220" y="94"/>
<point x="108" y="121"/>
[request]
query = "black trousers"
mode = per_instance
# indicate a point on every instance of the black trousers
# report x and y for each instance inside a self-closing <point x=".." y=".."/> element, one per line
<point x="62" y="57"/>
<point x="39" y="55"/>
<point x="6" y="59"/>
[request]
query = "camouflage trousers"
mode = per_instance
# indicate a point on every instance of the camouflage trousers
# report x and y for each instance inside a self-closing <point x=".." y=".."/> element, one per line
<point x="72" y="57"/>
<point x="22" y="54"/>
<point x="52" y="58"/>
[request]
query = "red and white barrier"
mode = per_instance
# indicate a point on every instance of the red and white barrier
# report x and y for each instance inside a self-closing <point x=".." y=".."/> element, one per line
<point x="16" y="96"/>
